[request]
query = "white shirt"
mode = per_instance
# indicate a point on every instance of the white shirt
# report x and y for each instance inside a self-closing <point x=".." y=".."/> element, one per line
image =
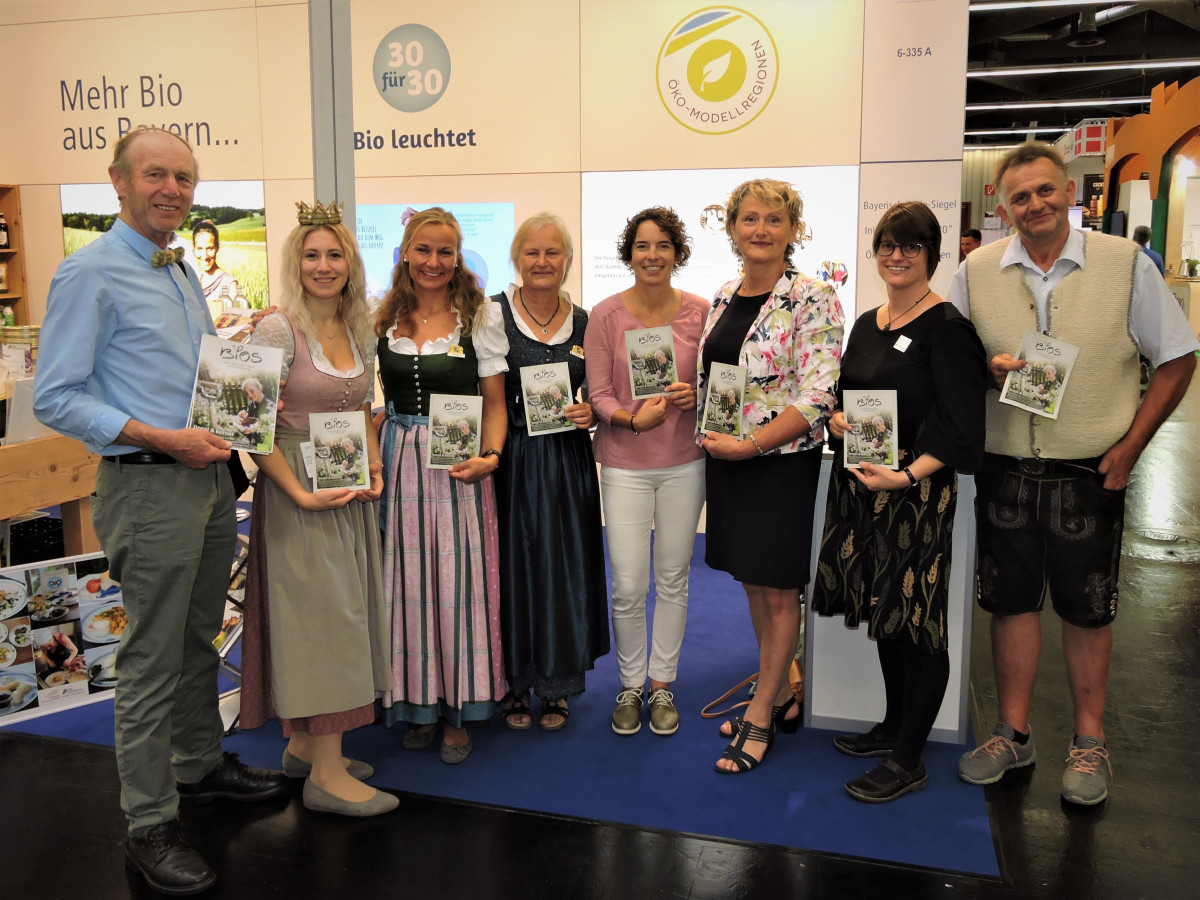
<point x="488" y="339"/>
<point x="1156" y="323"/>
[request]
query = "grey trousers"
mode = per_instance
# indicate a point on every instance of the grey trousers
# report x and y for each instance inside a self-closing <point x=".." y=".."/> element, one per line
<point x="169" y="533"/>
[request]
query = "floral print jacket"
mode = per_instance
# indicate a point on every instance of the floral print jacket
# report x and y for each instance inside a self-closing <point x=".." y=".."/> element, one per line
<point x="792" y="356"/>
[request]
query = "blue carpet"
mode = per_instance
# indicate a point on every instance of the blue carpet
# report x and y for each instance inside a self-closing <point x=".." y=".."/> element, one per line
<point x="795" y="800"/>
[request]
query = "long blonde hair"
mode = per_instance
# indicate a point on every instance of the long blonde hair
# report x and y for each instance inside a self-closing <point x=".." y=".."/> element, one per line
<point x="352" y="305"/>
<point x="466" y="295"/>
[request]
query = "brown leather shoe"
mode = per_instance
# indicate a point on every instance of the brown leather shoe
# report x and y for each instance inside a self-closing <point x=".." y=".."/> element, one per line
<point x="168" y="864"/>
<point x="233" y="780"/>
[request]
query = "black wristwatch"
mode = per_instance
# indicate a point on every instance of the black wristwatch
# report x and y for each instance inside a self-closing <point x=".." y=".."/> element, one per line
<point x="490" y="451"/>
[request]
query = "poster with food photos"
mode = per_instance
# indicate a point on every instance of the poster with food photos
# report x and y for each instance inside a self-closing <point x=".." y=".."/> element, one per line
<point x="725" y="398"/>
<point x="546" y="390"/>
<point x="1040" y="384"/>
<point x="651" y="361"/>
<point x="236" y="393"/>
<point x="454" y="423"/>
<point x="339" y="442"/>
<point x="61" y="625"/>
<point x="871" y="421"/>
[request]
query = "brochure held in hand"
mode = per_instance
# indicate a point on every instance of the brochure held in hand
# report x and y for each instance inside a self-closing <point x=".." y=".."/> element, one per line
<point x="339" y="448"/>
<point x="546" y="390"/>
<point x="236" y="392"/>
<point x="454" y="423"/>
<point x="725" y="400"/>
<point x="1040" y="384"/>
<point x="651" y="361"/>
<point x="871" y="422"/>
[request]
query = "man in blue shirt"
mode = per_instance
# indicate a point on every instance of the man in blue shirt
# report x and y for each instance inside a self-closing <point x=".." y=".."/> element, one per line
<point x="121" y="341"/>
<point x="1141" y="237"/>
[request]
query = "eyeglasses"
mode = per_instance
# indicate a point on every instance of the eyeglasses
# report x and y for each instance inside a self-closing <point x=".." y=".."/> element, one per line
<point x="910" y="250"/>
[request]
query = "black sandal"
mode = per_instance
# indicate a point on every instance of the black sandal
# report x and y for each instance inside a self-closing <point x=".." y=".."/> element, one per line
<point x="778" y="716"/>
<point x="735" y="753"/>
<point x="518" y="707"/>
<point x="553" y="708"/>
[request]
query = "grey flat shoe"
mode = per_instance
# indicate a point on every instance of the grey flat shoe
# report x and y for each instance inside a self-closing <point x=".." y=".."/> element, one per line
<point x="419" y="740"/>
<point x="322" y="801"/>
<point x="298" y="768"/>
<point x="453" y="754"/>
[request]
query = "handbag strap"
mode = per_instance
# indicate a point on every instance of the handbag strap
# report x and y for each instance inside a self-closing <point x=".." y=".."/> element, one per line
<point x="709" y="713"/>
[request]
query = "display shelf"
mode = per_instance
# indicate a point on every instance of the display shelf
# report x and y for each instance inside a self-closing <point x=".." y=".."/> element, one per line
<point x="13" y="257"/>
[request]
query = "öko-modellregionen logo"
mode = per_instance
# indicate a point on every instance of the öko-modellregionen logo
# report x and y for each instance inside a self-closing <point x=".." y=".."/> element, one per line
<point x="411" y="68"/>
<point x="717" y="70"/>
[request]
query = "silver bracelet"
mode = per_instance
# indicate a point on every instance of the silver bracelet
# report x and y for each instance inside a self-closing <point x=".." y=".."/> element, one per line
<point x="757" y="447"/>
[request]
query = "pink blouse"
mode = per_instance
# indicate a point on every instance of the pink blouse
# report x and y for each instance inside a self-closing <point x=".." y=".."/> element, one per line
<point x="670" y="444"/>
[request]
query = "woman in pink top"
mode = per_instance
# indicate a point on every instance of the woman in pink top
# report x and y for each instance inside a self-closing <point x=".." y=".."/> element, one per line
<point x="652" y="472"/>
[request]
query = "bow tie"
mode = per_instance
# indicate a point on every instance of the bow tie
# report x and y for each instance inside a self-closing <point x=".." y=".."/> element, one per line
<point x="161" y="258"/>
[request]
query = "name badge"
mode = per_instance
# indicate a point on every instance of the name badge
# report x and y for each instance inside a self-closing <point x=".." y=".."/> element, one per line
<point x="456" y="351"/>
<point x="902" y="343"/>
<point x="576" y="350"/>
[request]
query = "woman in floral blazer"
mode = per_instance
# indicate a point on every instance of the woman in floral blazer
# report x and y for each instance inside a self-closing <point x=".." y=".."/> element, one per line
<point x="786" y="331"/>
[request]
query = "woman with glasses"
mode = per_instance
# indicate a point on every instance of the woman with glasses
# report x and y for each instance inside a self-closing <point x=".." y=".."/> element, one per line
<point x="785" y="330"/>
<point x="885" y="549"/>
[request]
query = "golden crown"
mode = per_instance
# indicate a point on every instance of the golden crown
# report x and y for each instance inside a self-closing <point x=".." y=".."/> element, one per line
<point x="319" y="214"/>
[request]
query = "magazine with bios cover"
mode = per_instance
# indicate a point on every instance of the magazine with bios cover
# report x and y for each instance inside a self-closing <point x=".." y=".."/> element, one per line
<point x="871" y="421"/>
<point x="454" y="423"/>
<point x="546" y="390"/>
<point x="339" y="442"/>
<point x="236" y="392"/>
<point x="651" y="360"/>
<point x="725" y="400"/>
<point x="1040" y="384"/>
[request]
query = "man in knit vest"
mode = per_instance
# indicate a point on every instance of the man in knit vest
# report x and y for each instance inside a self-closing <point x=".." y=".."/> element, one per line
<point x="1052" y="491"/>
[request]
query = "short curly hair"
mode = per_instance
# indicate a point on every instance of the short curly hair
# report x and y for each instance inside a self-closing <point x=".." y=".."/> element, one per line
<point x="668" y="222"/>
<point x="776" y="195"/>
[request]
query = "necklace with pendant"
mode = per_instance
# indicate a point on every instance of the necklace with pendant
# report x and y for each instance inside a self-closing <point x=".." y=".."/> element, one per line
<point x="425" y="320"/>
<point x="545" y="326"/>
<point x="887" y="326"/>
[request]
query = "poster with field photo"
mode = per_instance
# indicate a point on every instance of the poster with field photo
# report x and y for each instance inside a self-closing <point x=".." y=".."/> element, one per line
<point x="231" y="265"/>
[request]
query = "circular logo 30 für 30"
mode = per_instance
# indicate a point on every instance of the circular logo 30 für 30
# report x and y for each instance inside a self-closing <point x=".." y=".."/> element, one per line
<point x="411" y="68"/>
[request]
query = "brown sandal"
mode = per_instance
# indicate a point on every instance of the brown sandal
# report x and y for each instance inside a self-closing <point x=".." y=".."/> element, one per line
<point x="553" y="708"/>
<point x="517" y="706"/>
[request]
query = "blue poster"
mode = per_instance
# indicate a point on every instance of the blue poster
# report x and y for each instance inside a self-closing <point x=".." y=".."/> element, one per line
<point x="487" y="234"/>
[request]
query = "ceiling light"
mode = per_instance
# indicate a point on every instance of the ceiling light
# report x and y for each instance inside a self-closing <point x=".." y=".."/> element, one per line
<point x="1134" y="65"/>
<point x="980" y="148"/>
<point x="1026" y="4"/>
<point x="1059" y="130"/>
<point x="1058" y="104"/>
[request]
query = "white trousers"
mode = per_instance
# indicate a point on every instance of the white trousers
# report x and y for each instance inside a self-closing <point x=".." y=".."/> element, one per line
<point x="669" y="501"/>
